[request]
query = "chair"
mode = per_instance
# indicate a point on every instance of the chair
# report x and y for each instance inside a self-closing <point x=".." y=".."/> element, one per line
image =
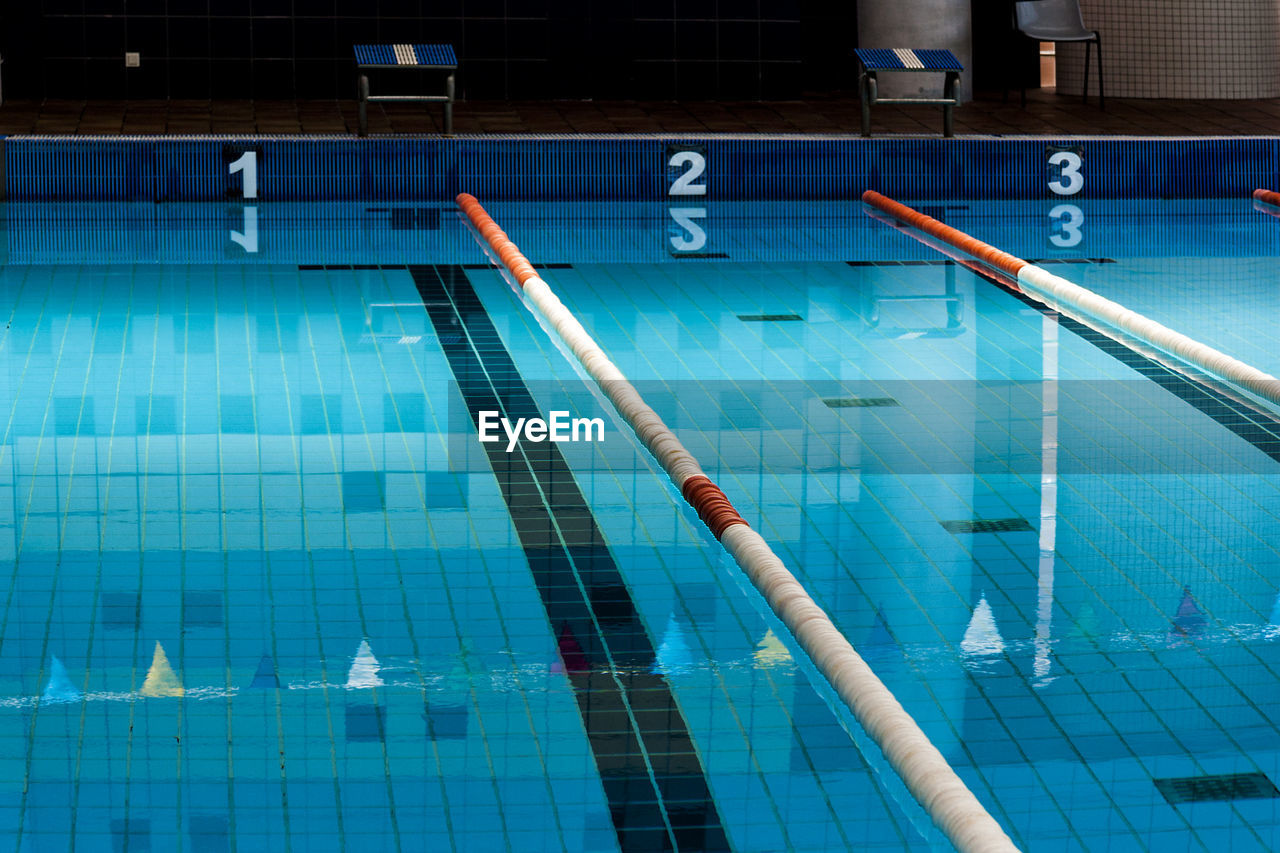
<point x="1060" y="20"/>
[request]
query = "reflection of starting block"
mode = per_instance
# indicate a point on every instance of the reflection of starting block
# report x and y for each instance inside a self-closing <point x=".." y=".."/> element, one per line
<point x="395" y="321"/>
<point x="909" y="316"/>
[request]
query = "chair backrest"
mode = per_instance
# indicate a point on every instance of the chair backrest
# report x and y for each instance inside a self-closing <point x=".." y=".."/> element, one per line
<point x="1051" y="20"/>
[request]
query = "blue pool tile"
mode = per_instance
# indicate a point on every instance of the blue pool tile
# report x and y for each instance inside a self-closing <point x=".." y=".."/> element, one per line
<point x="270" y="458"/>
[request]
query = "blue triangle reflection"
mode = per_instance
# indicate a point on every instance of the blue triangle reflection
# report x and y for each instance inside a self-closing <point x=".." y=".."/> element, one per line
<point x="59" y="688"/>
<point x="266" y="675"/>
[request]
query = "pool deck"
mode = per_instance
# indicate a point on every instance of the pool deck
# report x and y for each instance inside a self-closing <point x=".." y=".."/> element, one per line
<point x="1045" y="114"/>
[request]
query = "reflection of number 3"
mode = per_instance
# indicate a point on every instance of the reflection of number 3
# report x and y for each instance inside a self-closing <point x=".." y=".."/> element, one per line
<point x="1070" y="235"/>
<point x="1070" y="181"/>
<point x="684" y="185"/>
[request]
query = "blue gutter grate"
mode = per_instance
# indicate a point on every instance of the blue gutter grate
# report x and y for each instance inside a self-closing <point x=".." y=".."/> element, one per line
<point x="624" y="168"/>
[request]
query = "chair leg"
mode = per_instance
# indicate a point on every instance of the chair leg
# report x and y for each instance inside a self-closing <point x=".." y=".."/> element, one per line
<point x="362" y="100"/>
<point x="448" y="106"/>
<point x="1084" y="96"/>
<point x="1022" y="85"/>
<point x="864" y="90"/>
<point x="949" y="93"/>
<point x="1102" y="98"/>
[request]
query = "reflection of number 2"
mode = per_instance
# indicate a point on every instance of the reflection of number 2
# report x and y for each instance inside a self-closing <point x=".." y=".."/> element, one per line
<point x="684" y="217"/>
<point x="1070" y="226"/>
<point x="1070" y="181"/>
<point x="684" y="185"/>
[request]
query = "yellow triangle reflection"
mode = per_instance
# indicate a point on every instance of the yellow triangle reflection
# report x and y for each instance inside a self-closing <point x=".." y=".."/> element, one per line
<point x="771" y="651"/>
<point x="161" y="679"/>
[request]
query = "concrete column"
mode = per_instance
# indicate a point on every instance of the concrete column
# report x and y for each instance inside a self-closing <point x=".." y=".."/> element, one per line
<point x="918" y="24"/>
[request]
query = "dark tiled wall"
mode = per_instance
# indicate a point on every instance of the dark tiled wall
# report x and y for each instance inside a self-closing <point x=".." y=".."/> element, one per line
<point x="707" y="48"/>
<point x="507" y="48"/>
<point x="1004" y="58"/>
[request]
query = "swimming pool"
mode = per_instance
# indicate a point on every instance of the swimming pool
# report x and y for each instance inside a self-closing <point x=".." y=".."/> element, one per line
<point x="267" y="591"/>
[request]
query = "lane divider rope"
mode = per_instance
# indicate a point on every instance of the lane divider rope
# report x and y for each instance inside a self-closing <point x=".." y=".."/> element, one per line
<point x="1164" y="359"/>
<point x="1272" y="198"/>
<point x="926" y="773"/>
<point x="1056" y="292"/>
<point x="1266" y="201"/>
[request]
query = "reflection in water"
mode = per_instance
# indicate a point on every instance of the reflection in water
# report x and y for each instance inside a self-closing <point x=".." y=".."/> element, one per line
<point x="1048" y="499"/>
<point x="673" y="655"/>
<point x="1188" y="623"/>
<point x="217" y="517"/>
<point x="161" y="679"/>
<point x="923" y="658"/>
<point x="880" y="637"/>
<point x="59" y="688"/>
<point x="771" y="651"/>
<point x="982" y="637"/>
<point x="364" y="669"/>
<point x="266" y="675"/>
<point x="1087" y="624"/>
<point x="572" y="658"/>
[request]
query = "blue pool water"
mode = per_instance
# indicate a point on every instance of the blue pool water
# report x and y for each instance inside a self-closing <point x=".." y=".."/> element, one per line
<point x="265" y="590"/>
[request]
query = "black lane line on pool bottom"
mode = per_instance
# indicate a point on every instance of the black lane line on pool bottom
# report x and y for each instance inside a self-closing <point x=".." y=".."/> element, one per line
<point x="653" y="777"/>
<point x="1255" y="427"/>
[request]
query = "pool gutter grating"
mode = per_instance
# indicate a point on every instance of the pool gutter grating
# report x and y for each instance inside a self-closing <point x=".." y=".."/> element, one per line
<point x="988" y="525"/>
<point x="770" y="318"/>
<point x="1229" y="786"/>
<point x="859" y="402"/>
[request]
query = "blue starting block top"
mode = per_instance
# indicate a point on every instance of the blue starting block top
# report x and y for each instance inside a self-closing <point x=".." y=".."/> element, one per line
<point x="904" y="59"/>
<point x="434" y="55"/>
